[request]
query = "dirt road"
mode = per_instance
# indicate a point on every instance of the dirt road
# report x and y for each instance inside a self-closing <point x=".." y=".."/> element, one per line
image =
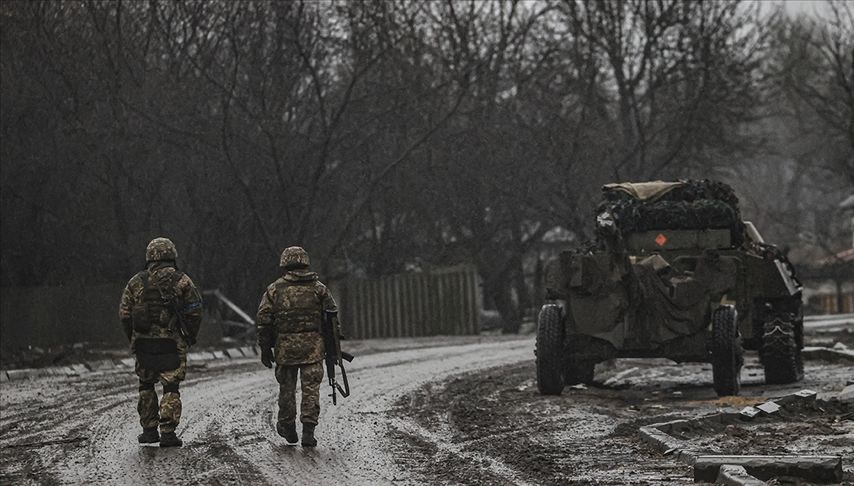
<point x="450" y="414"/>
<point x="511" y="434"/>
<point x="228" y="425"/>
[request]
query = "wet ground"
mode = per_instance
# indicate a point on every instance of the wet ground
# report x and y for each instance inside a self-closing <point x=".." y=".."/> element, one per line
<point x="511" y="434"/>
<point x="460" y="412"/>
<point x="83" y="430"/>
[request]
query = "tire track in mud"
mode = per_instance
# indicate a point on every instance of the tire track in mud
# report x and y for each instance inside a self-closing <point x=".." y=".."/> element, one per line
<point x="228" y="425"/>
<point x="493" y="427"/>
<point x="441" y="442"/>
<point x="571" y="439"/>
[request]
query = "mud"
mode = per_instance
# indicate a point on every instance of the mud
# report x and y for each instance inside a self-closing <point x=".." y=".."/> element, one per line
<point x="820" y="429"/>
<point x="83" y="430"/>
<point x="434" y="412"/>
<point x="589" y="435"/>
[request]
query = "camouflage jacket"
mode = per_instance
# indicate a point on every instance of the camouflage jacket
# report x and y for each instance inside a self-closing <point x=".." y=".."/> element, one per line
<point x="289" y="317"/>
<point x="188" y="300"/>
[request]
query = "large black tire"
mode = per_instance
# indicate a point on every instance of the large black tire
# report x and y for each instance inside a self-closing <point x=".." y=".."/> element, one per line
<point x="578" y="372"/>
<point x="549" y="350"/>
<point x="780" y="352"/>
<point x="727" y="353"/>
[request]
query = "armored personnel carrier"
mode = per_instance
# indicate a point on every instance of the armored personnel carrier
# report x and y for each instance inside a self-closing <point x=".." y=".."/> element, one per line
<point x="674" y="273"/>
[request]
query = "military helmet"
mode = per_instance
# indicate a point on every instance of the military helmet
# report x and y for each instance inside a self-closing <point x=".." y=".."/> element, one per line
<point x="160" y="249"/>
<point x="294" y="257"/>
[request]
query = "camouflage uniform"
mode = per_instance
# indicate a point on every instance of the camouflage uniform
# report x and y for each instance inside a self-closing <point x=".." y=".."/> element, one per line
<point x="289" y="320"/>
<point x="161" y="274"/>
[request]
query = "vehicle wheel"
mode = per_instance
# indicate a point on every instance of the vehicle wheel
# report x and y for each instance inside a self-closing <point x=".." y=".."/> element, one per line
<point x="727" y="354"/>
<point x="549" y="350"/>
<point x="780" y="353"/>
<point x="578" y="372"/>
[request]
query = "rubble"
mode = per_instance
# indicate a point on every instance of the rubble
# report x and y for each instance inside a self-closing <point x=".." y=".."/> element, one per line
<point x="708" y="467"/>
<point x="821" y="469"/>
<point x="797" y="400"/>
<point x="661" y="441"/>
<point x="769" y="407"/>
<point x="732" y="475"/>
<point x="748" y="413"/>
<point x="828" y="354"/>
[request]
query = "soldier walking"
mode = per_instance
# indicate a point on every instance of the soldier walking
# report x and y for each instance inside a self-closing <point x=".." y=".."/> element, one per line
<point x="160" y="313"/>
<point x="289" y="320"/>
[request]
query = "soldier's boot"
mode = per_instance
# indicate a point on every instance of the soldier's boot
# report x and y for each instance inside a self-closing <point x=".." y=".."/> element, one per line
<point x="169" y="439"/>
<point x="170" y="415"/>
<point x="149" y="435"/>
<point x="308" y="439"/>
<point x="288" y="430"/>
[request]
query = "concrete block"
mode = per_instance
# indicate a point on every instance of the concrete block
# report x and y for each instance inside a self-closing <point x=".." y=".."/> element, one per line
<point x="798" y="399"/>
<point x="52" y="371"/>
<point x="748" y="413"/>
<point x="3" y="376"/>
<point x="198" y="357"/>
<point x="730" y="475"/>
<point x="847" y="394"/>
<point x="22" y="374"/>
<point x="769" y="408"/>
<point x="69" y="371"/>
<point x="218" y="355"/>
<point x="827" y="469"/>
<point x="233" y="353"/>
<point x="673" y="426"/>
<point x="249" y="351"/>
<point x="80" y="368"/>
<point x="666" y="444"/>
<point x="828" y="354"/>
<point x="128" y="362"/>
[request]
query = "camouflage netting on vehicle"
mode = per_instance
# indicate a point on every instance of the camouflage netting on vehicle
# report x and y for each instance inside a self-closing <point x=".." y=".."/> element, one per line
<point x="695" y="204"/>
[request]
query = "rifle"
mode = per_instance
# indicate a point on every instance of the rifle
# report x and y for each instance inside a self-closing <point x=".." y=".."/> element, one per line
<point x="334" y="356"/>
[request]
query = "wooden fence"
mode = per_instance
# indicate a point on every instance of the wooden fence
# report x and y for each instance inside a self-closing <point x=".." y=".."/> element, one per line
<point x="415" y="304"/>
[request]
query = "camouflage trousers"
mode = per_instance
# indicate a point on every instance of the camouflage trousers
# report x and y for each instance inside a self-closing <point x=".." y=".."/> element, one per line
<point x="166" y="414"/>
<point x="311" y="376"/>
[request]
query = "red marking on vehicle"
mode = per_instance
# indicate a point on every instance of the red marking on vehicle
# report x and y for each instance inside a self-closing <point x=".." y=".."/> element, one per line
<point x="660" y="240"/>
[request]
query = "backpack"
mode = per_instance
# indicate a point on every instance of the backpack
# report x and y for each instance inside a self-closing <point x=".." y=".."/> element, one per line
<point x="156" y="305"/>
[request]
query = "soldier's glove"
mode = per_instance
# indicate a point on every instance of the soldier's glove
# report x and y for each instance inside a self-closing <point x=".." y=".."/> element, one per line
<point x="267" y="357"/>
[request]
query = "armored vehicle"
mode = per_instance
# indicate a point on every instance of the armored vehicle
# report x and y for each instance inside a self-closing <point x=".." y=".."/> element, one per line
<point x="673" y="273"/>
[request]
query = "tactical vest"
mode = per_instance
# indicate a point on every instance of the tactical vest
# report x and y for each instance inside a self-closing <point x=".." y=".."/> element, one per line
<point x="297" y="308"/>
<point x="156" y="304"/>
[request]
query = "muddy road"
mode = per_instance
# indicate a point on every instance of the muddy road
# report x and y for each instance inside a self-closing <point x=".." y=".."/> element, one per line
<point x="83" y="430"/>
<point x="462" y="413"/>
<point x="589" y="435"/>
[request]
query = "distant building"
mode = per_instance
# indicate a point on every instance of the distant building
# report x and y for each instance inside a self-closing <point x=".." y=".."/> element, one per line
<point x="829" y="282"/>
